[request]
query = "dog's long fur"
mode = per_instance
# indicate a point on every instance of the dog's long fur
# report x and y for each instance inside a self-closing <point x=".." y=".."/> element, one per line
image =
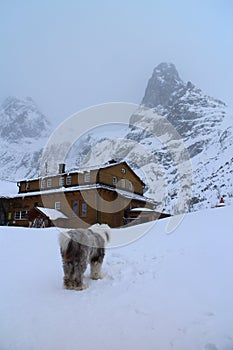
<point x="80" y="247"/>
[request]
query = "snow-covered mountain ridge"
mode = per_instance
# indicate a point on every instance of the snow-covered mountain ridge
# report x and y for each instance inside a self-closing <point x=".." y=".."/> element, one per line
<point x="23" y="134"/>
<point x="203" y="126"/>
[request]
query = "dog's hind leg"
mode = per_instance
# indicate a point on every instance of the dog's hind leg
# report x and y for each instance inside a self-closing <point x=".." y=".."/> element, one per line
<point x="80" y="265"/>
<point x="79" y="269"/>
<point x="68" y="268"/>
<point x="96" y="270"/>
<point x="96" y="265"/>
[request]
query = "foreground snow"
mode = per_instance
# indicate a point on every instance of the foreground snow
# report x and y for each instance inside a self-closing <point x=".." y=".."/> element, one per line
<point x="160" y="292"/>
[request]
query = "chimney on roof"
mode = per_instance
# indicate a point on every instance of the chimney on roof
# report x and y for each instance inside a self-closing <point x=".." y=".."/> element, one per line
<point x="112" y="161"/>
<point x="61" y="168"/>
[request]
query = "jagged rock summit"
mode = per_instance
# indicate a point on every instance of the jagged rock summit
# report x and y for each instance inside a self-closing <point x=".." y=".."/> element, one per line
<point x="196" y="116"/>
<point x="204" y="125"/>
<point x="164" y="81"/>
<point x="183" y="104"/>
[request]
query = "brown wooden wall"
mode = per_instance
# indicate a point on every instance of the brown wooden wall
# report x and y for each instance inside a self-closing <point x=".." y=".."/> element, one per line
<point x="111" y="210"/>
<point x="106" y="176"/>
<point x="111" y="206"/>
<point x="28" y="186"/>
<point x="102" y="175"/>
<point x="21" y="204"/>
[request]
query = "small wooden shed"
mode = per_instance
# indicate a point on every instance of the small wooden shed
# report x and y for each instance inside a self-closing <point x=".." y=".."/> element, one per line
<point x="45" y="217"/>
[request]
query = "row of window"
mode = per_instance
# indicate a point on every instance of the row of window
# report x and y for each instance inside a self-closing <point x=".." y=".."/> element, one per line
<point x="123" y="183"/>
<point x="48" y="183"/>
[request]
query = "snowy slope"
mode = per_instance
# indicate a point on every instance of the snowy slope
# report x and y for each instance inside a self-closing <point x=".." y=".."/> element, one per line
<point x="210" y="152"/>
<point x="24" y="132"/>
<point x="204" y="125"/>
<point x="160" y="292"/>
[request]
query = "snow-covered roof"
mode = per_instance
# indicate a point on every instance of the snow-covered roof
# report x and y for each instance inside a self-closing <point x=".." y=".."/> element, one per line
<point x="78" y="170"/>
<point x="97" y="166"/>
<point x="120" y="192"/>
<point x="142" y="209"/>
<point x="81" y="170"/>
<point x="53" y="214"/>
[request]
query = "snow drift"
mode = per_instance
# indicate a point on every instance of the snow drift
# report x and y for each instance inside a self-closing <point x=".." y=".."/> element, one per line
<point x="159" y="292"/>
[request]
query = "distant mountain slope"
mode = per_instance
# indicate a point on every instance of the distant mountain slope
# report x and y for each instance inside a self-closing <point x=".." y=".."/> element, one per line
<point x="204" y="125"/>
<point x="24" y="131"/>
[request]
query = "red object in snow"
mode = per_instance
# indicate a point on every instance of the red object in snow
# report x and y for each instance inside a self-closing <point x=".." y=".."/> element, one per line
<point x="221" y="203"/>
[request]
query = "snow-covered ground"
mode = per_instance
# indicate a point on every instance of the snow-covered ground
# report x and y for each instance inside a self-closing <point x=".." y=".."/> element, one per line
<point x="160" y="292"/>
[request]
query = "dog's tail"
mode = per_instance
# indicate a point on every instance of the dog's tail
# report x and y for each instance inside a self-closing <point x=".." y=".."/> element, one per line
<point x="107" y="232"/>
<point x="103" y="230"/>
<point x="64" y="240"/>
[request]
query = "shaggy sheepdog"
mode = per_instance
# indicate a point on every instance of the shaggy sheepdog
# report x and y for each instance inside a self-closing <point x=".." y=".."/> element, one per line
<point x="80" y="247"/>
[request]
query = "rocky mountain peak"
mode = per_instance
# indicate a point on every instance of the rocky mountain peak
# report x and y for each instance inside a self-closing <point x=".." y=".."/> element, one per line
<point x="23" y="134"/>
<point x="167" y="71"/>
<point x="183" y="104"/>
<point x="164" y="81"/>
<point x="21" y="118"/>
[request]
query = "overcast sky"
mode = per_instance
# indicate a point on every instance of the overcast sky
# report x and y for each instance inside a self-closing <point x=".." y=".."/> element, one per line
<point x="69" y="55"/>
